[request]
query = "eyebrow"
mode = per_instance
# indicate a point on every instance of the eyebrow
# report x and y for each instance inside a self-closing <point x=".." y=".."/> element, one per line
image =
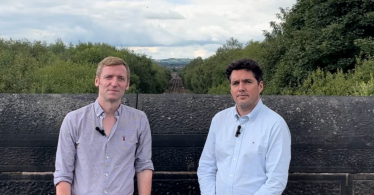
<point x="114" y="75"/>
<point x="237" y="80"/>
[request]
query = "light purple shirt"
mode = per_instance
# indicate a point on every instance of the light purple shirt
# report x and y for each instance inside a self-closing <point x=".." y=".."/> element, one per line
<point x="254" y="163"/>
<point x="96" y="164"/>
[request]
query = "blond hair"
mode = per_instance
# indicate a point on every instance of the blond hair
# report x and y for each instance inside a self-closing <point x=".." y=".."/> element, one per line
<point x="112" y="61"/>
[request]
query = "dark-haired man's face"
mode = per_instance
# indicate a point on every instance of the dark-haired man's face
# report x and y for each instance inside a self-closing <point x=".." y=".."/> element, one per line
<point x="245" y="90"/>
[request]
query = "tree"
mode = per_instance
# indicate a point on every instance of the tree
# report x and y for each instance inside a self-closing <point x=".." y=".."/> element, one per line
<point x="316" y="34"/>
<point x="37" y="67"/>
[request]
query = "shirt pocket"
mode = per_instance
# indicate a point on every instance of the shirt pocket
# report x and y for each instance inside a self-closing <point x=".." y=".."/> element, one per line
<point x="128" y="143"/>
<point x="256" y="151"/>
<point x="127" y="140"/>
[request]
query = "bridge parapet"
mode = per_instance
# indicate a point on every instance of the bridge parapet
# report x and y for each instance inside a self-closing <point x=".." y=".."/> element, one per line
<point x="332" y="140"/>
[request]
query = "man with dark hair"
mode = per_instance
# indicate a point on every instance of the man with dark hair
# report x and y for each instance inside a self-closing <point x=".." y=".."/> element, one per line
<point x="103" y="145"/>
<point x="248" y="148"/>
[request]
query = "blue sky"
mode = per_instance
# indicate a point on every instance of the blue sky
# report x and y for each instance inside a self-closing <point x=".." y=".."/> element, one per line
<point x="158" y="28"/>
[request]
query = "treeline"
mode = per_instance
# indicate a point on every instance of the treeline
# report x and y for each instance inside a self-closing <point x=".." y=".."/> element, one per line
<point x="319" y="48"/>
<point x="170" y="62"/>
<point x="38" y="67"/>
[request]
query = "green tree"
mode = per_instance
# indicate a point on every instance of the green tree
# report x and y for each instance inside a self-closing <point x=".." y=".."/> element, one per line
<point x="36" y="67"/>
<point x="208" y="76"/>
<point x="316" y="34"/>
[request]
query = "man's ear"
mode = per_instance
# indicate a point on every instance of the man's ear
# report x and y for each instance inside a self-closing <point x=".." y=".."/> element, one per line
<point x="97" y="81"/>
<point x="128" y="85"/>
<point x="261" y="86"/>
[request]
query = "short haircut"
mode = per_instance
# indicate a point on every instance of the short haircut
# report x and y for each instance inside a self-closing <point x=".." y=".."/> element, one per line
<point x="112" y="61"/>
<point x="247" y="64"/>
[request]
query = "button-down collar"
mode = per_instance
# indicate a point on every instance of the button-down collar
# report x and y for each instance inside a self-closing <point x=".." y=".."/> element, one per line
<point x="250" y="116"/>
<point x="99" y="111"/>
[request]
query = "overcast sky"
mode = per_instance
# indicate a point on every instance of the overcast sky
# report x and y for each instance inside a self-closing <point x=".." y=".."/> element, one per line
<point x="158" y="28"/>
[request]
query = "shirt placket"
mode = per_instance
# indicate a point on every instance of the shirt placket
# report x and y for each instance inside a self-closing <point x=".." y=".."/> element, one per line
<point x="107" y="159"/>
<point x="234" y="163"/>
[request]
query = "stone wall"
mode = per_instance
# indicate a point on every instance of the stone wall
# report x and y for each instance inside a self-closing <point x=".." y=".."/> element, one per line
<point x="332" y="140"/>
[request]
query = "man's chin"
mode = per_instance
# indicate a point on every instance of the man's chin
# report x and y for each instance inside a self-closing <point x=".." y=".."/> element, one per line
<point x="243" y="104"/>
<point x="114" y="98"/>
<point x="242" y="101"/>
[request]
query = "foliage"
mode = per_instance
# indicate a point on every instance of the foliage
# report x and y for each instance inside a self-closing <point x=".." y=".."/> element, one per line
<point x="359" y="82"/>
<point x="318" y="48"/>
<point x="173" y="63"/>
<point x="208" y="76"/>
<point x="38" y="67"/>
<point x="317" y="34"/>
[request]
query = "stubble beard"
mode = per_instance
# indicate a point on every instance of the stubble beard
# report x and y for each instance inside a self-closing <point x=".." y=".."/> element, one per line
<point x="247" y="106"/>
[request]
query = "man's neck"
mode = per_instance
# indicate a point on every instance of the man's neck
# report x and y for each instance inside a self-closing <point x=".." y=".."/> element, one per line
<point x="109" y="107"/>
<point x="243" y="111"/>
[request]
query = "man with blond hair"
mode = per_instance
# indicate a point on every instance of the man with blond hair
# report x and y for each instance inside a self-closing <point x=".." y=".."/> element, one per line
<point x="103" y="145"/>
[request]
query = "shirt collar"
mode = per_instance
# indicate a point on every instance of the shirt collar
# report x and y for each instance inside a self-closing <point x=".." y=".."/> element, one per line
<point x="99" y="110"/>
<point x="252" y="114"/>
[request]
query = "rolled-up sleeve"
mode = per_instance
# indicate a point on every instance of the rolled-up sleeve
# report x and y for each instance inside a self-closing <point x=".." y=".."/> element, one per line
<point x="143" y="153"/>
<point x="66" y="150"/>
<point x="207" y="165"/>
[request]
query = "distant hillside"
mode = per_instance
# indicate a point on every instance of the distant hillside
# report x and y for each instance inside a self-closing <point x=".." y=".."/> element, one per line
<point x="173" y="63"/>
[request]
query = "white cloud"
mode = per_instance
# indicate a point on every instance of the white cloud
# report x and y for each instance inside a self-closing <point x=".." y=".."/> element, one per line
<point x="191" y="51"/>
<point x="170" y="15"/>
<point x="177" y="28"/>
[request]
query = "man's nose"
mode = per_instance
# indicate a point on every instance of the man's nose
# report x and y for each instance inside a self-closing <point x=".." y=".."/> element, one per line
<point x="241" y="86"/>
<point x="114" y="82"/>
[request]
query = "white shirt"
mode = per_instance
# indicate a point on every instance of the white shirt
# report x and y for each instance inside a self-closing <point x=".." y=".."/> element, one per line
<point x="254" y="163"/>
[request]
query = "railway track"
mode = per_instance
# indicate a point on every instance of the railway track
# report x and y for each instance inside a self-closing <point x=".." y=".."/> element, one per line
<point x="176" y="84"/>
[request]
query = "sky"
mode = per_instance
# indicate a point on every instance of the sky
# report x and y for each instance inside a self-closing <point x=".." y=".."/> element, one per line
<point x="157" y="28"/>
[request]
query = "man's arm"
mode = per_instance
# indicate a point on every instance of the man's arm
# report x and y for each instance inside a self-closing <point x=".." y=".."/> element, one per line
<point x="63" y="188"/>
<point x="207" y="165"/>
<point x="277" y="160"/>
<point x="65" y="158"/>
<point x="143" y="162"/>
<point x="144" y="180"/>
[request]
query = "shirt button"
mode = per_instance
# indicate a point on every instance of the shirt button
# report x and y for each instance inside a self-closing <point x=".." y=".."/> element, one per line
<point x="106" y="174"/>
<point x="230" y="175"/>
<point x="234" y="159"/>
<point x="105" y="192"/>
<point x="107" y="157"/>
<point x="238" y="142"/>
